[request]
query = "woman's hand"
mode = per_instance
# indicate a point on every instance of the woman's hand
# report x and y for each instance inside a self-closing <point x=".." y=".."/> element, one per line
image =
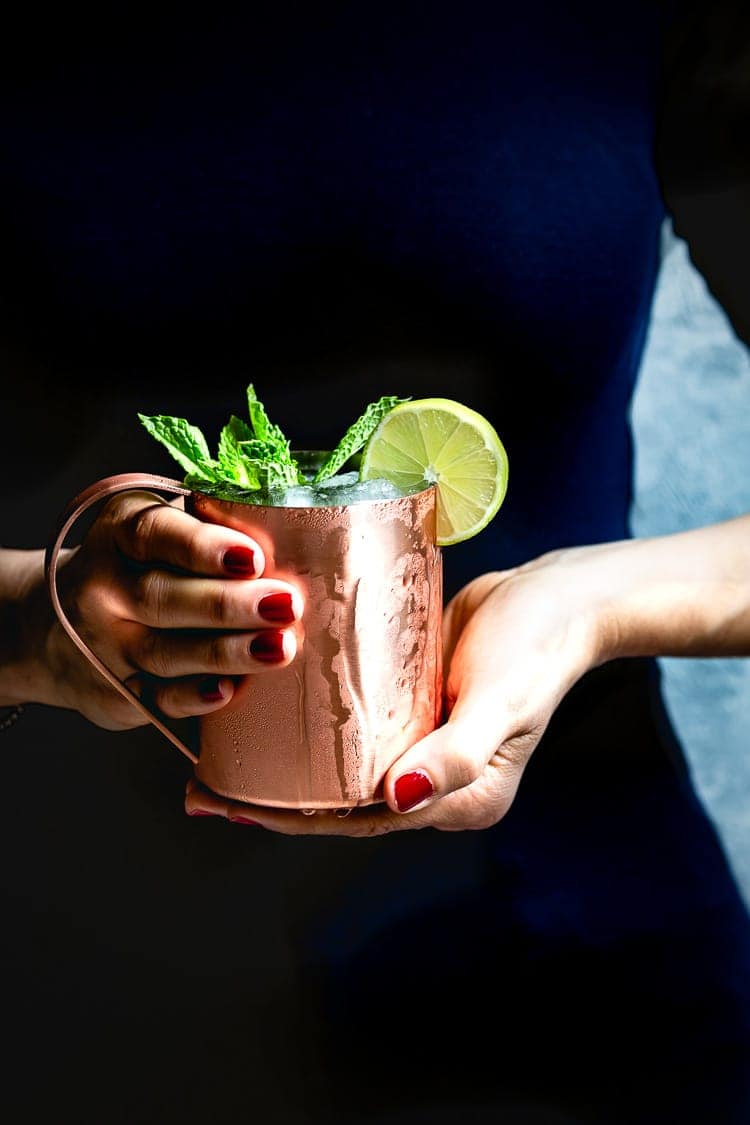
<point x="514" y="643"/>
<point x="175" y="607"/>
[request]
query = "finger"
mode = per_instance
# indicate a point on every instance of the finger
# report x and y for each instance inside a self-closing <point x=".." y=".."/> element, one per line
<point x="164" y="600"/>
<point x="178" y="699"/>
<point x="170" y="655"/>
<point x="146" y="530"/>
<point x="195" y="695"/>
<point x="372" y="820"/>
<point x="477" y="738"/>
<point x="497" y="712"/>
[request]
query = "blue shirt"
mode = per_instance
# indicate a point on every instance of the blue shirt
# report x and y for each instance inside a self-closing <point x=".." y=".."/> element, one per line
<point x="339" y="201"/>
<point x="344" y="203"/>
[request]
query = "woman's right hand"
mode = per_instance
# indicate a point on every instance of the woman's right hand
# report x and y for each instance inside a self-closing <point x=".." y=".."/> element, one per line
<point x="173" y="606"/>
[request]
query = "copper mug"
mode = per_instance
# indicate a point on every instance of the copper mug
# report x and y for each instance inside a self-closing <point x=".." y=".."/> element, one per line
<point x="366" y="683"/>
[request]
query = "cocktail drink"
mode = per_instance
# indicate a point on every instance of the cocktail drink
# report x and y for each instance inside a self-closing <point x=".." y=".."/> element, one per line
<point x="366" y="682"/>
<point x="360" y="536"/>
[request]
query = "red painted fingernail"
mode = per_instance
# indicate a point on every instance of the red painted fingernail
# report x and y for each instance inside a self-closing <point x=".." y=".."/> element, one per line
<point x="209" y="689"/>
<point x="268" y="646"/>
<point x="411" y="789"/>
<point x="240" y="562"/>
<point x="245" y="820"/>
<point x="200" y="812"/>
<point x="277" y="608"/>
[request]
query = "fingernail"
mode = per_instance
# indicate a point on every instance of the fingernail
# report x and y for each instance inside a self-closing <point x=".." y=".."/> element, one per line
<point x="200" y="812"/>
<point x="240" y="562"/>
<point x="209" y="689"/>
<point x="245" y="820"/>
<point x="277" y="608"/>
<point x="411" y="789"/>
<point x="268" y="646"/>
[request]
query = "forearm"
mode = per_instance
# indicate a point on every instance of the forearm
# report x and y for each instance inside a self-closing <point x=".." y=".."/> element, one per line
<point x="27" y="673"/>
<point x="686" y="594"/>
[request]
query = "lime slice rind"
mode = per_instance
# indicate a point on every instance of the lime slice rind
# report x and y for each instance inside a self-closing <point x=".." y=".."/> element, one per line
<point x="446" y="442"/>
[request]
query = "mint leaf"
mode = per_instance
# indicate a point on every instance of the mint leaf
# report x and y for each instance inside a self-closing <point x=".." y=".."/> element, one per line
<point x="272" y="475"/>
<point x="357" y="435"/>
<point x="233" y="462"/>
<point x="258" y="457"/>
<point x="263" y="428"/>
<point x="256" y="450"/>
<point x="273" y="447"/>
<point x="239" y="428"/>
<point x="185" y="443"/>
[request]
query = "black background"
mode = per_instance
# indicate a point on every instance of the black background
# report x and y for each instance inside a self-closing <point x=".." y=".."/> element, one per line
<point x="102" y="1024"/>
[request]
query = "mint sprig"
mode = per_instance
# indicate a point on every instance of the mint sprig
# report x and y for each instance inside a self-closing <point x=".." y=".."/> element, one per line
<point x="186" y="443"/>
<point x="255" y="455"/>
<point x="263" y="428"/>
<point x="357" y="436"/>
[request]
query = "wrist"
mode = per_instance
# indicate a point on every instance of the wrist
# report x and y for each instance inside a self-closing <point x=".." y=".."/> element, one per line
<point x="685" y="594"/>
<point x="617" y="598"/>
<point x="27" y="628"/>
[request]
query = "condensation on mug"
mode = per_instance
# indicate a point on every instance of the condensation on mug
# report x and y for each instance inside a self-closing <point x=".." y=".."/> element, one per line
<point x="366" y="683"/>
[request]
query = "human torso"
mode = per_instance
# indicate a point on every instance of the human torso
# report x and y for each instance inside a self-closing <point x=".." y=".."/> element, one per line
<point x="346" y="202"/>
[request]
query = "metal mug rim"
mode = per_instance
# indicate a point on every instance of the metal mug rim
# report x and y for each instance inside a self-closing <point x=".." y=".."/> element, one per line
<point x="315" y="456"/>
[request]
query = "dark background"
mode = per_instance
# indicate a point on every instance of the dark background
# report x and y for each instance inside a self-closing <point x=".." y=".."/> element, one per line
<point x="166" y="1040"/>
<point x="703" y="147"/>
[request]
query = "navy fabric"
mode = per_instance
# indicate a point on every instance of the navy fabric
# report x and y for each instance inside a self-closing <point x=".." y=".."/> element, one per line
<point x="339" y="201"/>
<point x="406" y="202"/>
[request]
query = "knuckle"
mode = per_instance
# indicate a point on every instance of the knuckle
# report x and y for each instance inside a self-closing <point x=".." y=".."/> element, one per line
<point x="149" y="592"/>
<point x="141" y="527"/>
<point x="498" y="796"/>
<point x="152" y="655"/>
<point x="464" y="766"/>
<point x="172" y="703"/>
<point x="220" y="605"/>
<point x="216" y="654"/>
<point x="110" y="513"/>
<point x="193" y="545"/>
<point x="486" y="803"/>
<point x="517" y="749"/>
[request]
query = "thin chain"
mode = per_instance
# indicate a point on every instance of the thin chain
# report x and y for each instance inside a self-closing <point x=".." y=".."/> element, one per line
<point x="12" y="717"/>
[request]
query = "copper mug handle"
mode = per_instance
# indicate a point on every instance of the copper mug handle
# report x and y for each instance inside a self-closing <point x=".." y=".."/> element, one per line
<point x="100" y="490"/>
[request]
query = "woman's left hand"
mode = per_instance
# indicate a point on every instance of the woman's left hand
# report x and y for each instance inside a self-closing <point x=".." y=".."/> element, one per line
<point x="515" y="642"/>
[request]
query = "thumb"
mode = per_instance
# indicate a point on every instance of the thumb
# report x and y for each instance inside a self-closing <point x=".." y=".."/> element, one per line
<point x="480" y="740"/>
